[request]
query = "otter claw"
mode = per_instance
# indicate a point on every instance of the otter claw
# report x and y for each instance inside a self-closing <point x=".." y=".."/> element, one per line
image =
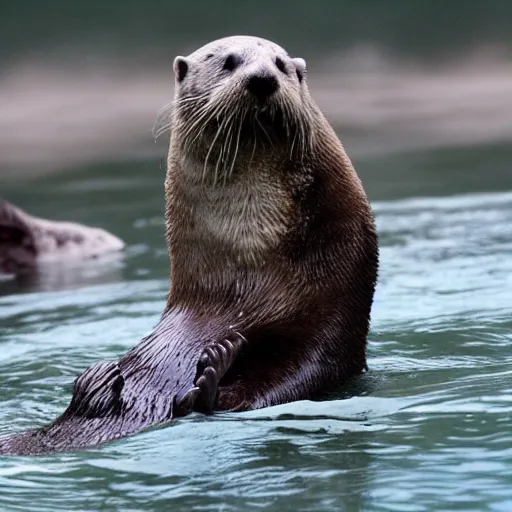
<point x="204" y="360"/>
<point x="208" y="384"/>
<point x="241" y="336"/>
<point x="213" y="364"/>
<point x="188" y="401"/>
<point x="211" y="353"/>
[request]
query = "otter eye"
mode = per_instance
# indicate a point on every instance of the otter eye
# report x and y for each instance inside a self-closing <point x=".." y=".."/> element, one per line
<point x="280" y="65"/>
<point x="231" y="62"/>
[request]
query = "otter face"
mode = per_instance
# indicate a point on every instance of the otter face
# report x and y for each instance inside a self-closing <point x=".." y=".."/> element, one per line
<point x="253" y="69"/>
<point x="241" y="92"/>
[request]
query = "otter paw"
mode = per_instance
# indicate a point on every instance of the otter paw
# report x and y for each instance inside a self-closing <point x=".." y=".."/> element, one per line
<point x="213" y="364"/>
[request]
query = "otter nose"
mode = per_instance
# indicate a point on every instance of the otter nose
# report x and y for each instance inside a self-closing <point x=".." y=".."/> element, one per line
<point x="262" y="85"/>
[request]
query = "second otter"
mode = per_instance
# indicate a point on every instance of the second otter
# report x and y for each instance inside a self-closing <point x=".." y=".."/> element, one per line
<point x="273" y="252"/>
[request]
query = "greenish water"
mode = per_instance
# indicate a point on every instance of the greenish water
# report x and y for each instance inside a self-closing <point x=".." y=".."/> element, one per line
<point x="429" y="428"/>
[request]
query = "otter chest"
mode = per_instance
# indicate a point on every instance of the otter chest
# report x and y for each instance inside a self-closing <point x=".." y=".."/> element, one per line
<point x="250" y="215"/>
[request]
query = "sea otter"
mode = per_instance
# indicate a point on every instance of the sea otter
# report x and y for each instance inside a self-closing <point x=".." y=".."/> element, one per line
<point x="26" y="241"/>
<point x="273" y="251"/>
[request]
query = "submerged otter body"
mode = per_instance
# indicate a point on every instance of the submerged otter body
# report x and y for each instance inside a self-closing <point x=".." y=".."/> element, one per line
<point x="273" y="254"/>
<point x="26" y="241"/>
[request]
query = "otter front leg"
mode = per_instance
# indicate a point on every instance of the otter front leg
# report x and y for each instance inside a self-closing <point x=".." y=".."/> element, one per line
<point x="215" y="361"/>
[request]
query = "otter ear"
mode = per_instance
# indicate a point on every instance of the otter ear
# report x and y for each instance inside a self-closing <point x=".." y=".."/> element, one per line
<point x="300" y="68"/>
<point x="180" y="68"/>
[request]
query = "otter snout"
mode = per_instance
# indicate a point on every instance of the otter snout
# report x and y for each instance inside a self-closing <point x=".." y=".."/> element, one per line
<point x="262" y="85"/>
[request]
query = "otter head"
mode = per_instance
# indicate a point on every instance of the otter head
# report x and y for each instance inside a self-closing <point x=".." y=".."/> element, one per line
<point x="240" y="94"/>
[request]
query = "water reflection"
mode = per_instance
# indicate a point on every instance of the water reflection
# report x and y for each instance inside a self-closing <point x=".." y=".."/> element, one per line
<point x="63" y="275"/>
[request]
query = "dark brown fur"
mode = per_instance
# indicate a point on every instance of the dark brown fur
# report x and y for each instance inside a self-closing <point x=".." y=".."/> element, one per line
<point x="284" y="318"/>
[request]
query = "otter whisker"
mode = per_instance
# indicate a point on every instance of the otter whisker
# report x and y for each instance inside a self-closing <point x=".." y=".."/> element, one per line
<point x="163" y="114"/>
<point x="193" y="109"/>
<point x="195" y="131"/>
<point x="161" y="130"/>
<point x="222" y="119"/>
<point x="208" y="113"/>
<point x="272" y="112"/>
<point x="188" y="99"/>
<point x="163" y="120"/>
<point x="212" y="145"/>
<point x="254" y="145"/>
<point x="286" y="120"/>
<point x="190" y="135"/>
<point x="237" y="146"/>
<point x="217" y="110"/>
<point x="227" y="127"/>
<point x="166" y="107"/>
<point x="238" y="120"/>
<point x="196" y="118"/>
<point x="226" y="147"/>
<point x="263" y="128"/>
<point x="287" y="117"/>
<point x="310" y="130"/>
<point x="303" y="137"/>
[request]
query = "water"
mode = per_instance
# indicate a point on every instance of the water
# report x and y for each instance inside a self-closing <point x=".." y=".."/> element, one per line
<point x="428" y="428"/>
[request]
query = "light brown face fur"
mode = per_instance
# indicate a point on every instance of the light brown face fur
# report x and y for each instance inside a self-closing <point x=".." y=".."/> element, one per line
<point x="213" y="99"/>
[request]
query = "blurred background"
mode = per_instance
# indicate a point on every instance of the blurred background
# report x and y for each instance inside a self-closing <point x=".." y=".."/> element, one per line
<point x="419" y="92"/>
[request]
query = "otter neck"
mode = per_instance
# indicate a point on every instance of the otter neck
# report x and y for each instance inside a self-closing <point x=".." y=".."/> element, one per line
<point x="220" y="231"/>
